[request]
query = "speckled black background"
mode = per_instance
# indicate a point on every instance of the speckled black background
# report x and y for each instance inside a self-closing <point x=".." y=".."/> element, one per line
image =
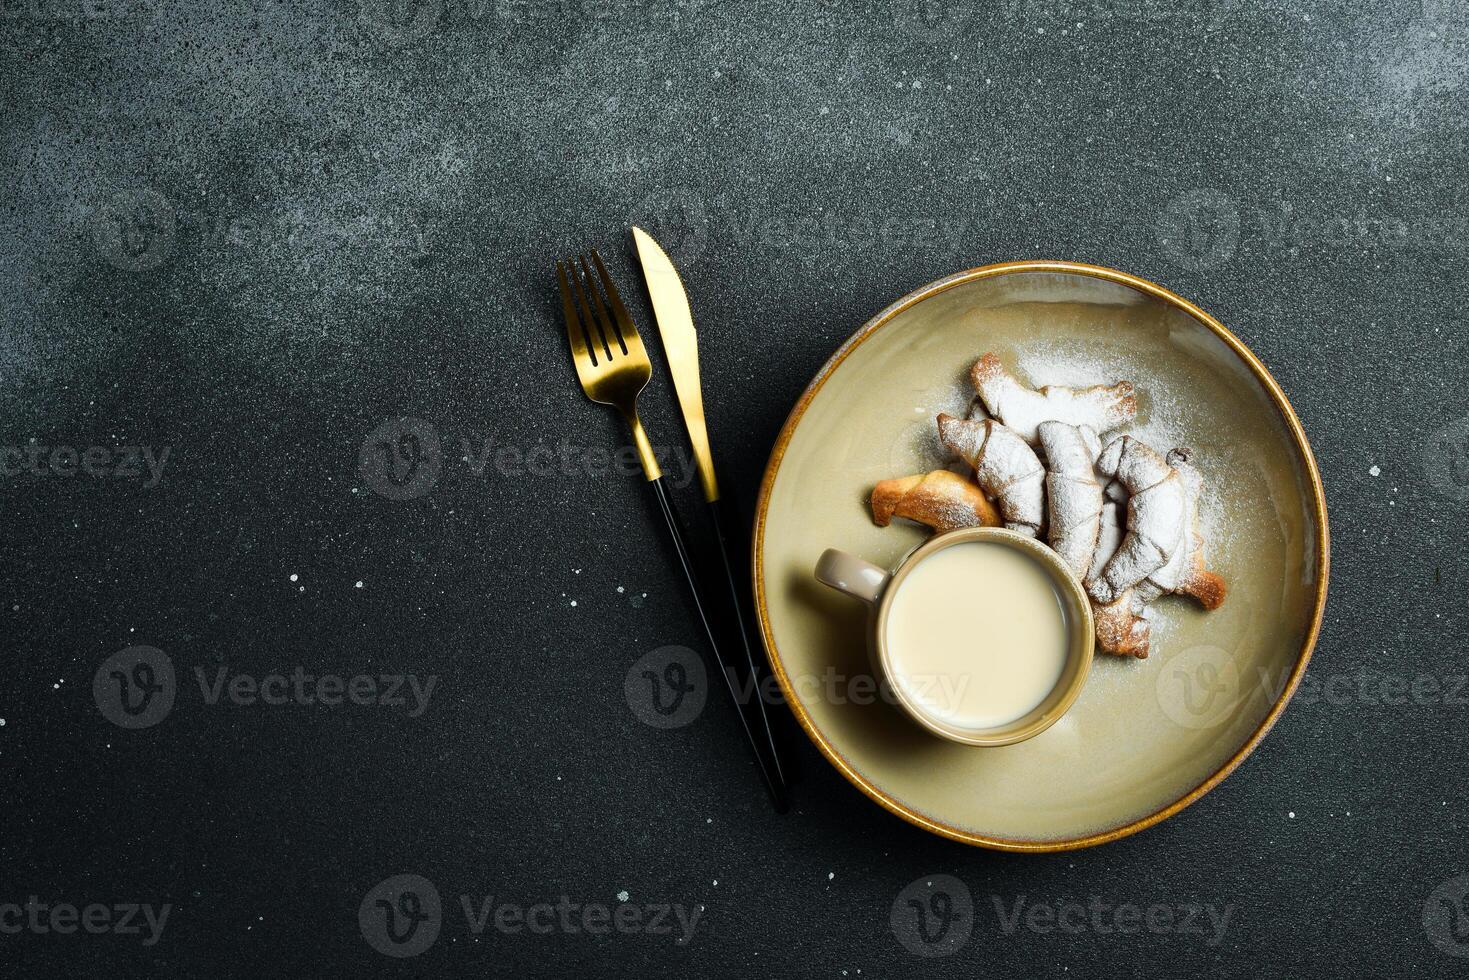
<point x="338" y="215"/>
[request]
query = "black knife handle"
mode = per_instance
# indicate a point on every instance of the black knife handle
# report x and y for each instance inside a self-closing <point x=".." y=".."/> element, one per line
<point x="728" y="533"/>
<point x="705" y="609"/>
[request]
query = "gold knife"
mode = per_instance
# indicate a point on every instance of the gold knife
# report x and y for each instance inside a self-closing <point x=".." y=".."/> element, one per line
<point x="681" y="347"/>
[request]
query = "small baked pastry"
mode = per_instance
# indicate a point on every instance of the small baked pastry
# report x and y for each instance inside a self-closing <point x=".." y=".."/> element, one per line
<point x="1004" y="467"/>
<point x="1023" y="409"/>
<point x="942" y="499"/>
<point x="1073" y="495"/>
<point x="1156" y="513"/>
<point x="1185" y="573"/>
<point x="1122" y="626"/>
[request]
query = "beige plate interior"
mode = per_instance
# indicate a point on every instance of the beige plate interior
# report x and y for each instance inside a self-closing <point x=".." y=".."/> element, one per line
<point x="1146" y="737"/>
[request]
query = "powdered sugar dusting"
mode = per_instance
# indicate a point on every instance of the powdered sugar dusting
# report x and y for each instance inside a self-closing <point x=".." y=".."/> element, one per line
<point x="1165" y="421"/>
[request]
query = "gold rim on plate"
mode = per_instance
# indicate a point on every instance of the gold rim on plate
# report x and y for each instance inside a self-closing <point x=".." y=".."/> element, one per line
<point x="1287" y="414"/>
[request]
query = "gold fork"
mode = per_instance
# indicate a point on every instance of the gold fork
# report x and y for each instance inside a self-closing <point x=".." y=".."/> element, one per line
<point x="611" y="361"/>
<point x="613" y="368"/>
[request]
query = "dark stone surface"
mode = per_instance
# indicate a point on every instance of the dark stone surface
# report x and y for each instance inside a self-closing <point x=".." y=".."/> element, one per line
<point x="338" y="219"/>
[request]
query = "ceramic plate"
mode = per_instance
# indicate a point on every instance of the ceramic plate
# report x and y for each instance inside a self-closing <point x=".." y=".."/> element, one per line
<point x="1146" y="738"/>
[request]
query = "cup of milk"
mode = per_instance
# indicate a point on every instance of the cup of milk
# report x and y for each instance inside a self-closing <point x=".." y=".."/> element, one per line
<point x="983" y="634"/>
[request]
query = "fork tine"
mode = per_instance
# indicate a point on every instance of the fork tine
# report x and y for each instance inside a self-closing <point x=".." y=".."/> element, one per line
<point x="625" y="325"/>
<point x="594" y="330"/>
<point x="608" y="329"/>
<point x="575" y="332"/>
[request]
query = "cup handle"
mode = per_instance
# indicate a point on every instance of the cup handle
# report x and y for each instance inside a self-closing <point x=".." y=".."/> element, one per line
<point x="850" y="574"/>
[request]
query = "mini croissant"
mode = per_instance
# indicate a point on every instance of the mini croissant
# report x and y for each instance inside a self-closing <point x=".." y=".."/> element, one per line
<point x="1004" y="467"/>
<point x="1185" y="572"/>
<point x="1121" y="623"/>
<point x="1099" y="408"/>
<point x="941" y="499"/>
<point x="1073" y="495"/>
<point x="1122" y="627"/>
<point x="1156" y="514"/>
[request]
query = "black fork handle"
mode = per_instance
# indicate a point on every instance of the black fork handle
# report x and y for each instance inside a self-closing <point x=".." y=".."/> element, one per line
<point x="704" y="607"/>
<point x="727" y="532"/>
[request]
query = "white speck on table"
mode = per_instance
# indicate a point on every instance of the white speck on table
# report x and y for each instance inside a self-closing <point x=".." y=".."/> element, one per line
<point x="622" y="896"/>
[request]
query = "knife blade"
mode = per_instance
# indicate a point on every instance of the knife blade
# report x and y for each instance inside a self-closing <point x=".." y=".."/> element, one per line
<point x="681" y="347"/>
